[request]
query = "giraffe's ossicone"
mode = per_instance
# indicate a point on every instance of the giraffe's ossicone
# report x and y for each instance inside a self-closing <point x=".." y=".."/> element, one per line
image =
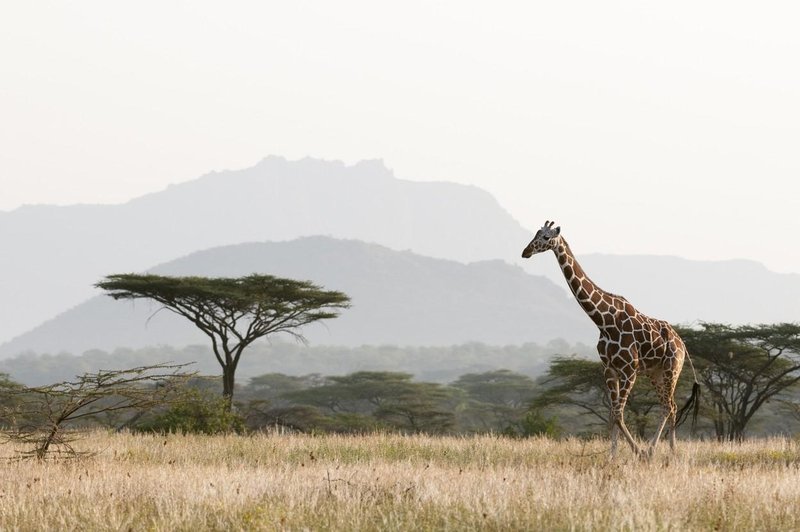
<point x="630" y="342"/>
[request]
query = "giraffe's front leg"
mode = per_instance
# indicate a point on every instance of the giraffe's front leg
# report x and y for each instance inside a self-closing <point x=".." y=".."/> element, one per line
<point x="619" y="387"/>
<point x="613" y="428"/>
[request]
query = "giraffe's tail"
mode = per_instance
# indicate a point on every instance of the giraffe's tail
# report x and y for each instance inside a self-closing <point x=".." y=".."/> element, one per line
<point x="691" y="365"/>
<point x="693" y="404"/>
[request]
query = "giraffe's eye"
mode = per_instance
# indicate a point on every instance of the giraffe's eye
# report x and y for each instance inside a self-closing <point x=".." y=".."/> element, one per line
<point x="546" y="237"/>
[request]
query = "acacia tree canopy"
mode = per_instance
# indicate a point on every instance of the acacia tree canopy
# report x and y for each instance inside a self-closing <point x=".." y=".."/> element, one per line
<point x="743" y="367"/>
<point x="390" y="397"/>
<point x="233" y="312"/>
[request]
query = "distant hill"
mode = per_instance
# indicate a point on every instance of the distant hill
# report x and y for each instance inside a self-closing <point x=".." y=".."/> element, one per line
<point x="397" y="298"/>
<point x="51" y="256"/>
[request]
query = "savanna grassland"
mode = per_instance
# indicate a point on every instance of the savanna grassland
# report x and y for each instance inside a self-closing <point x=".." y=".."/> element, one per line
<point x="392" y="482"/>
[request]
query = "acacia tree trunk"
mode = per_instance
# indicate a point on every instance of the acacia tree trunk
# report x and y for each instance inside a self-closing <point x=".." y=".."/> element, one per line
<point x="719" y="423"/>
<point x="228" y="372"/>
<point x="736" y="432"/>
<point x="227" y="362"/>
<point x="41" y="450"/>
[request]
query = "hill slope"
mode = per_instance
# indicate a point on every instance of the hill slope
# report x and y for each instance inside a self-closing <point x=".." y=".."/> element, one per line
<point x="397" y="298"/>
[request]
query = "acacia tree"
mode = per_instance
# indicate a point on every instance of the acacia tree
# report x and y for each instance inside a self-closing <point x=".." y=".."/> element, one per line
<point x="233" y="312"/>
<point x="743" y="367"/>
<point x="390" y="397"/>
<point x="494" y="400"/>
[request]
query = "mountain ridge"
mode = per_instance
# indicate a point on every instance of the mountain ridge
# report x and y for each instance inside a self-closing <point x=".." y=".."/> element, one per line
<point x="398" y="297"/>
<point x="58" y="252"/>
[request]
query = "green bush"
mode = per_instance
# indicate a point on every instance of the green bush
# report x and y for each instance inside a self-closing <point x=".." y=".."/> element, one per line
<point x="196" y="412"/>
<point x="535" y="424"/>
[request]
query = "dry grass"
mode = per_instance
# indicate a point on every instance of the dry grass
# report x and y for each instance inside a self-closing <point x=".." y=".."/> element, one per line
<point x="387" y="482"/>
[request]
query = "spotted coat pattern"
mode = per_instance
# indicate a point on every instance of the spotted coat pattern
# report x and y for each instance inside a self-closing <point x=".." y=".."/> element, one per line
<point x="631" y="342"/>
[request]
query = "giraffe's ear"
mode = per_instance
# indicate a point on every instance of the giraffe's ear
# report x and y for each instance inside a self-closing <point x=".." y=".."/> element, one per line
<point x="558" y="230"/>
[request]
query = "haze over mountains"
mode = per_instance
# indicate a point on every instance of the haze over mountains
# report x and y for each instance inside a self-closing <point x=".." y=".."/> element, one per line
<point x="53" y="256"/>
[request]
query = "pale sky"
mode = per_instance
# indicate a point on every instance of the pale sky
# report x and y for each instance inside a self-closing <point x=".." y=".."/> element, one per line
<point x="640" y="127"/>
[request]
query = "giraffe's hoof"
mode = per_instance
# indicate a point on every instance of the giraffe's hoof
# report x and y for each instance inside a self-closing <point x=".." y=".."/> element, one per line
<point x="646" y="455"/>
<point x="642" y="454"/>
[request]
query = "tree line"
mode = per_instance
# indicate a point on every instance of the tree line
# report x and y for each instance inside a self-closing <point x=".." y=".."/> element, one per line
<point x="152" y="399"/>
<point x="749" y="376"/>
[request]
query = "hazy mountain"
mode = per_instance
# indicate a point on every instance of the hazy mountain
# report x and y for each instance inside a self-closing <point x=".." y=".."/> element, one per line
<point x="52" y="255"/>
<point x="397" y="298"/>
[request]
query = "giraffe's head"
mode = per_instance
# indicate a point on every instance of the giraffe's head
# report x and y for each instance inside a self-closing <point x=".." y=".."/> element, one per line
<point x="546" y="238"/>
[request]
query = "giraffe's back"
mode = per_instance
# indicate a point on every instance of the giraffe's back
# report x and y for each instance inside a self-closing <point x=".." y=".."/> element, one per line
<point x="630" y="338"/>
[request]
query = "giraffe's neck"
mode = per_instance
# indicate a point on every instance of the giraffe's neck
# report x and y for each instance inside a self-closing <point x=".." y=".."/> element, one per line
<point x="585" y="291"/>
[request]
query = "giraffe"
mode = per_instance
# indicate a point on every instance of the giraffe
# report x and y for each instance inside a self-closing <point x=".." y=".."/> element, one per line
<point x="630" y="342"/>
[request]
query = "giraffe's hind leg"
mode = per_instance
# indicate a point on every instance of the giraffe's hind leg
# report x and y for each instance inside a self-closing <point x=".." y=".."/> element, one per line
<point x="664" y="383"/>
<point x="665" y="380"/>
